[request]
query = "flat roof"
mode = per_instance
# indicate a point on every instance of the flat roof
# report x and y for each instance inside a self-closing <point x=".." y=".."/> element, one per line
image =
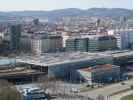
<point x="18" y="71"/>
<point x="89" y="36"/>
<point x="49" y="59"/>
<point x="105" y="67"/>
<point x="119" y="53"/>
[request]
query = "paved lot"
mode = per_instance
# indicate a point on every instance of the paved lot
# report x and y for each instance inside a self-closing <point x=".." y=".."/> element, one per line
<point x="119" y="96"/>
<point x="108" y="90"/>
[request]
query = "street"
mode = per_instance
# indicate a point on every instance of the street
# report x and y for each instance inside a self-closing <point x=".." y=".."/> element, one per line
<point x="108" y="90"/>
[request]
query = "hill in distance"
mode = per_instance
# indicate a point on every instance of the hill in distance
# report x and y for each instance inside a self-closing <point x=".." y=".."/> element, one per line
<point x="100" y="12"/>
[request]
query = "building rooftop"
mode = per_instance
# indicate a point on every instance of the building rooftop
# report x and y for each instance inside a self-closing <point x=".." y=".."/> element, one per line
<point x="105" y="67"/>
<point x="95" y="37"/>
<point x="17" y="71"/>
<point x="119" y="53"/>
<point x="49" y="59"/>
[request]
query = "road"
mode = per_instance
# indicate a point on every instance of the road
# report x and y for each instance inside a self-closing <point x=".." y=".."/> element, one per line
<point x="119" y="96"/>
<point x="108" y="90"/>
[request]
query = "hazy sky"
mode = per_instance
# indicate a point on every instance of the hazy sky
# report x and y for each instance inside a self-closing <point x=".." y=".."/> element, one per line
<point x="8" y="5"/>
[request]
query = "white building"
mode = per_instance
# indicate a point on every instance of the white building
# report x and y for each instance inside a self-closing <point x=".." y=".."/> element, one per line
<point x="124" y="38"/>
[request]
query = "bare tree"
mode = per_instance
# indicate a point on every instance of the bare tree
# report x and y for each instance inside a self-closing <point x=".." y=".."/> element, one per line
<point x="8" y="91"/>
<point x="52" y="86"/>
<point x="55" y="87"/>
<point x="100" y="97"/>
<point x="48" y="84"/>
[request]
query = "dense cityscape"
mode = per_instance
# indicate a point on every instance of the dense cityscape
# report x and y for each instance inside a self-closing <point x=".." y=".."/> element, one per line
<point x="66" y="55"/>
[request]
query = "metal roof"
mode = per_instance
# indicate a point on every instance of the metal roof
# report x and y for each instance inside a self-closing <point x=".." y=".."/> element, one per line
<point x="49" y="59"/>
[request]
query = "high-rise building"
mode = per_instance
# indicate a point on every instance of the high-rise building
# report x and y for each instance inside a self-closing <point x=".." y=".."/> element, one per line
<point x="15" y="34"/>
<point x="25" y="42"/>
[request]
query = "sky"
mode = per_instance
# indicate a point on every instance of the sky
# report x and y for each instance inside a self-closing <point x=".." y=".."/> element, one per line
<point x="16" y="5"/>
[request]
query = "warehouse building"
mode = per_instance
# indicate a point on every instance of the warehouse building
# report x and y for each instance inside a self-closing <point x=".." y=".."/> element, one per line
<point x="65" y="64"/>
<point x="100" y="74"/>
